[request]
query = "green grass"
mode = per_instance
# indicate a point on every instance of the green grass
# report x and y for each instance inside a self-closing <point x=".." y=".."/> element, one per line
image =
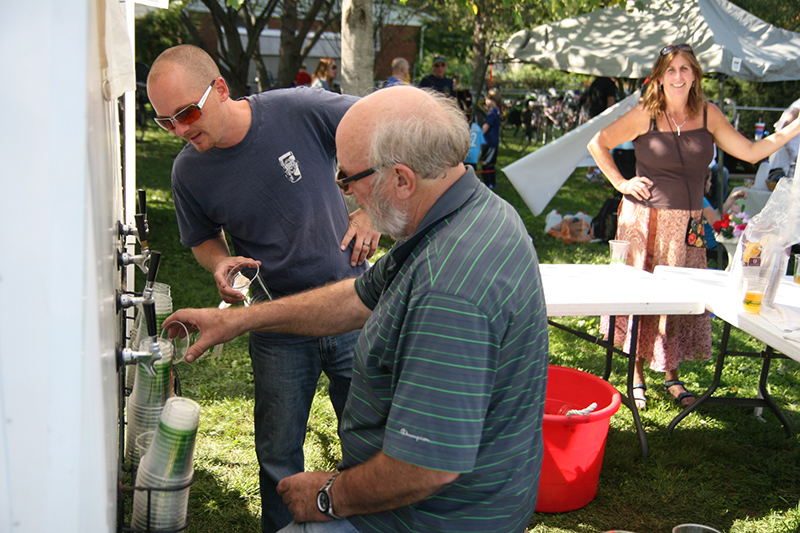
<point x="722" y="466"/>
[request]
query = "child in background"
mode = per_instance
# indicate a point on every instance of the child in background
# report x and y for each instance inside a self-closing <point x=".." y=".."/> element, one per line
<point x="491" y="136"/>
<point x="711" y="215"/>
<point x="475" y="142"/>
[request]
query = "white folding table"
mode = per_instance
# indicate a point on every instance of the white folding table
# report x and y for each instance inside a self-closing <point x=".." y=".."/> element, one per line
<point x="721" y="295"/>
<point x="614" y="290"/>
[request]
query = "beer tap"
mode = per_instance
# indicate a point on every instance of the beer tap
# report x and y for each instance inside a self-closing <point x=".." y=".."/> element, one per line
<point x="129" y="299"/>
<point x="152" y="352"/>
<point x="141" y="232"/>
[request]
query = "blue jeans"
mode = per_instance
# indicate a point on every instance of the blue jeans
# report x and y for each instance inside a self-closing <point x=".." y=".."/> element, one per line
<point x="334" y="526"/>
<point x="286" y="377"/>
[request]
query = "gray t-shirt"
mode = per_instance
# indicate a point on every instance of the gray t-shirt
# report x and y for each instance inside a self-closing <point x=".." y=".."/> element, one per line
<point x="274" y="192"/>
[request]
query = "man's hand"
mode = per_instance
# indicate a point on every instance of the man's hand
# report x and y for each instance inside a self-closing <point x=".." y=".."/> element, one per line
<point x="227" y="293"/>
<point x="215" y="325"/>
<point x="299" y="492"/>
<point x="366" y="239"/>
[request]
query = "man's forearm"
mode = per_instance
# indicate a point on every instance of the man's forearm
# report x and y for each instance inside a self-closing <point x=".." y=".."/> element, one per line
<point x="209" y="253"/>
<point x="328" y="310"/>
<point x="383" y="483"/>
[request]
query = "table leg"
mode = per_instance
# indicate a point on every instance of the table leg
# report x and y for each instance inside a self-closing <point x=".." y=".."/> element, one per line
<point x="764" y="399"/>
<point x="637" y="421"/>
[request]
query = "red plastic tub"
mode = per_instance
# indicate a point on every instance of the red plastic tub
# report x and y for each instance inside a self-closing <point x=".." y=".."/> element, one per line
<point x="574" y="445"/>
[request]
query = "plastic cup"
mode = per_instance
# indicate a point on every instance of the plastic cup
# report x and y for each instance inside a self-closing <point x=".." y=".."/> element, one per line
<point x="759" y="130"/>
<point x="797" y="268"/>
<point x="694" y="528"/>
<point x="619" y="251"/>
<point x="753" y="294"/>
<point x="244" y="277"/>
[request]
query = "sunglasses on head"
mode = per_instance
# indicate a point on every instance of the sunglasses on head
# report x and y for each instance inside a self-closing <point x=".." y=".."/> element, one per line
<point x="187" y="115"/>
<point x="682" y="47"/>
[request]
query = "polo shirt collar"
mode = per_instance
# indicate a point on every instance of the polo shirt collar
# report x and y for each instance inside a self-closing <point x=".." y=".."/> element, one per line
<point x="453" y="198"/>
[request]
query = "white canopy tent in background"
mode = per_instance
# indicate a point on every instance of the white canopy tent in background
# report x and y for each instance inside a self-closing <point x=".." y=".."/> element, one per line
<point x="612" y="42"/>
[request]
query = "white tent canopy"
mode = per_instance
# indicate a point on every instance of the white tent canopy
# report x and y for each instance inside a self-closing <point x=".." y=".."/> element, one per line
<point x="611" y="42"/>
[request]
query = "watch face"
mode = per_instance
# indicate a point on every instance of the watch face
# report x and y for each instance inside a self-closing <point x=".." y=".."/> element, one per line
<point x="323" y="502"/>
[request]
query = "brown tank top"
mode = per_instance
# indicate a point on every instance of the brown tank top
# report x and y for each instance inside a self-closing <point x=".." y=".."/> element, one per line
<point x="657" y="158"/>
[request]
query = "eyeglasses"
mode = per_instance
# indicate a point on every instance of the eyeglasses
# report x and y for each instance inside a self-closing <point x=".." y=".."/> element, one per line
<point x="440" y="64"/>
<point x="682" y="47"/>
<point x="343" y="180"/>
<point x="334" y="67"/>
<point x="187" y="115"/>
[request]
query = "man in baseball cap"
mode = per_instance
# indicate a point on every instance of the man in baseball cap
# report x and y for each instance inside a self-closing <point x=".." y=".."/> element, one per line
<point x="438" y="80"/>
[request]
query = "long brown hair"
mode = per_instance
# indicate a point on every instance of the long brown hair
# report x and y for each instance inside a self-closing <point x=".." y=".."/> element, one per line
<point x="323" y="67"/>
<point x="653" y="99"/>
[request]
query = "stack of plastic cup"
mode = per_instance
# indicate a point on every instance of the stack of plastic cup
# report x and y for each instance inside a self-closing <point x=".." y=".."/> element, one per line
<point x="147" y="399"/>
<point x="166" y="467"/>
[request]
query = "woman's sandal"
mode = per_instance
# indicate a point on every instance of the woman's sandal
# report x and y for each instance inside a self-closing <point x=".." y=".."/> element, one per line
<point x="680" y="397"/>
<point x="640" y="398"/>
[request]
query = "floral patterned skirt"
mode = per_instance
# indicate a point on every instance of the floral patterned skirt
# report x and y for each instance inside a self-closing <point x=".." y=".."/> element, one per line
<point x="657" y="237"/>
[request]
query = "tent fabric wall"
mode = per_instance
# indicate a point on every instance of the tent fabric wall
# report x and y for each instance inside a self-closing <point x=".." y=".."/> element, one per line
<point x="611" y="42"/>
<point x="58" y="213"/>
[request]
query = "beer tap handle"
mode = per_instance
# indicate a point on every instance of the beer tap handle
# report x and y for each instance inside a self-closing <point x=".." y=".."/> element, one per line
<point x="141" y="229"/>
<point x="142" y="202"/>
<point x="148" y="360"/>
<point x="152" y="271"/>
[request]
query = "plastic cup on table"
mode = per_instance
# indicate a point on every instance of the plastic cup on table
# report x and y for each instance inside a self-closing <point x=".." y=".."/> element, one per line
<point x="618" y="250"/>
<point x="797" y="268"/>
<point x="753" y="293"/>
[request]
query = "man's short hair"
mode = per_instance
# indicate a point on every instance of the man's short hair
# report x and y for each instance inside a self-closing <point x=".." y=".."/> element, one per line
<point x="430" y="139"/>
<point x="194" y="60"/>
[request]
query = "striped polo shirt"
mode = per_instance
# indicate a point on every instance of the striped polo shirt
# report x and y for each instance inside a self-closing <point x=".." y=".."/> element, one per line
<point x="451" y="367"/>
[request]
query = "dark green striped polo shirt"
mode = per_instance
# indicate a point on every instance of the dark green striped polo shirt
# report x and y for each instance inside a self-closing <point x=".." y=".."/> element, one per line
<point x="451" y="367"/>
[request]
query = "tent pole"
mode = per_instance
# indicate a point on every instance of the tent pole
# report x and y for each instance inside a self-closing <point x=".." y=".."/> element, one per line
<point x="721" y="168"/>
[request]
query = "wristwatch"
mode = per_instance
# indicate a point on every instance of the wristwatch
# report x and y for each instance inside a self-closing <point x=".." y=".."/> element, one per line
<point x="324" y="500"/>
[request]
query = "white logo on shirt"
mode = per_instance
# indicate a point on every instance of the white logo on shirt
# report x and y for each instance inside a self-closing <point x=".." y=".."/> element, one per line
<point x="291" y="168"/>
<point x="405" y="433"/>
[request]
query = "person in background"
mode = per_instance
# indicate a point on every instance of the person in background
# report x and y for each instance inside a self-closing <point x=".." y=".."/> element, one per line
<point x="438" y="81"/>
<point x="673" y="130"/>
<point x="303" y="77"/>
<point x="274" y="196"/>
<point x="399" y="72"/>
<point x="491" y="138"/>
<point x="711" y="215"/>
<point x="786" y="157"/>
<point x="601" y="95"/>
<point x="443" y="425"/>
<point x="475" y="143"/>
<point x="324" y="74"/>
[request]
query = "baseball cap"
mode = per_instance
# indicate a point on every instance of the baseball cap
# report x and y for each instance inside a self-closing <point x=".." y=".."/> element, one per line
<point x="439" y="59"/>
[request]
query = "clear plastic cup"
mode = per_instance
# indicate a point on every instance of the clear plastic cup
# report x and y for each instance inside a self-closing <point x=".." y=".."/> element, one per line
<point x="753" y="293"/>
<point x="244" y="277"/>
<point x="618" y="251"/>
<point x="797" y="268"/>
<point x="694" y="528"/>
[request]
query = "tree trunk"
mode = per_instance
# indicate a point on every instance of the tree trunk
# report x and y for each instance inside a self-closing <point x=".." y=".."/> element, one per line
<point x="357" y="47"/>
<point x="479" y="57"/>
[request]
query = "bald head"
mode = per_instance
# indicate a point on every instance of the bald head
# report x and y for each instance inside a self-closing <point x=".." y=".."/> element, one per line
<point x="192" y="63"/>
<point x="399" y="68"/>
<point x="422" y="129"/>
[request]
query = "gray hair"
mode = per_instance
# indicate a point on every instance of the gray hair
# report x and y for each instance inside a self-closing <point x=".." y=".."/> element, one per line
<point x="431" y="139"/>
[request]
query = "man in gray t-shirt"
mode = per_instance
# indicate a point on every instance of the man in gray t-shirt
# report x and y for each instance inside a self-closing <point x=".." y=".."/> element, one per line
<point x="261" y="169"/>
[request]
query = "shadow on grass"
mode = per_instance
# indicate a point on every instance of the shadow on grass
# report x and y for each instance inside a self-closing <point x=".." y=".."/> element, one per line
<point x="214" y="507"/>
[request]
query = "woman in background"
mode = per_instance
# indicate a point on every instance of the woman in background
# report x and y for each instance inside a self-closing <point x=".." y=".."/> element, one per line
<point x="324" y="74"/>
<point x="673" y="130"/>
